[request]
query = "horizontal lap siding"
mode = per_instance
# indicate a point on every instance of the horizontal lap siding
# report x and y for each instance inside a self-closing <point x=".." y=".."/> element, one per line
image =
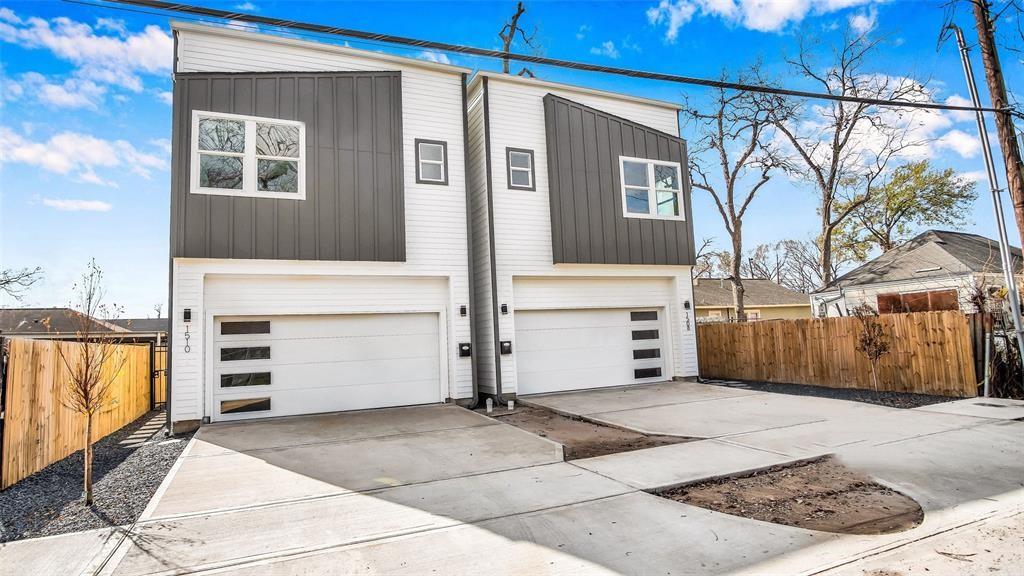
<point x="522" y="219"/>
<point x="435" y="216"/>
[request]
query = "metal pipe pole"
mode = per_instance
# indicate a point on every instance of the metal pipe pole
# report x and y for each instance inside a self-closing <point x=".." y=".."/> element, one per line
<point x="997" y="196"/>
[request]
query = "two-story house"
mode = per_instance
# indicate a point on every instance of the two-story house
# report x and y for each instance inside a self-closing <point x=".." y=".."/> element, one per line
<point x="583" y="239"/>
<point x="352" y="229"/>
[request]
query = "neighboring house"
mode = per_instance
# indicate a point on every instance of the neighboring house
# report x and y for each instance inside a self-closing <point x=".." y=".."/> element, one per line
<point x="319" y="237"/>
<point x="64" y="324"/>
<point x="583" y="241"/>
<point x="321" y="225"/>
<point x="762" y="300"/>
<point x="936" y="270"/>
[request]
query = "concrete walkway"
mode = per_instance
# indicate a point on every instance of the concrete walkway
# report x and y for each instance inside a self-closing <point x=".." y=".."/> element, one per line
<point x="441" y="489"/>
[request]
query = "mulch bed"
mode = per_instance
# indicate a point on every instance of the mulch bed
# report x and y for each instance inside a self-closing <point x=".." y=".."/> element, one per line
<point x="890" y="399"/>
<point x="581" y="439"/>
<point x="819" y="495"/>
<point x="124" y="479"/>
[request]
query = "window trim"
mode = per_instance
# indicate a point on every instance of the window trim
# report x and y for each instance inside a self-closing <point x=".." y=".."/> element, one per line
<point x="444" y="162"/>
<point x="508" y="169"/>
<point x="250" y="160"/>
<point x="652" y="190"/>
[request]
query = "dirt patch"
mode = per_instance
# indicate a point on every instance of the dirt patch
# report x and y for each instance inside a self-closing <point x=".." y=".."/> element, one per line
<point x="881" y="398"/>
<point x="819" y="495"/>
<point x="582" y="439"/>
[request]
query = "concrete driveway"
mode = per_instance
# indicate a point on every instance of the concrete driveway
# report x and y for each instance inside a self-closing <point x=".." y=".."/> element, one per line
<point x="443" y="490"/>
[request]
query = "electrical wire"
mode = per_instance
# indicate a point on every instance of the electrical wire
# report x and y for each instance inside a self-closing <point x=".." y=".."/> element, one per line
<point x="177" y="7"/>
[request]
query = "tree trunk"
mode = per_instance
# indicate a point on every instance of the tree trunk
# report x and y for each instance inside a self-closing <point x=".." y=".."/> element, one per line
<point x="87" y="468"/>
<point x="874" y="376"/>
<point x="737" y="267"/>
<point x="826" y="256"/>
<point x="1004" y="122"/>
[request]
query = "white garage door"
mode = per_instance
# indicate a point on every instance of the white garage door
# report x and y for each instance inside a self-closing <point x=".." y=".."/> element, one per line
<point x="560" y="350"/>
<point x="285" y="365"/>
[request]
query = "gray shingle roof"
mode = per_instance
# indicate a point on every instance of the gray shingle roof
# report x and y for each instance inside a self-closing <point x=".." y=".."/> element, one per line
<point x="756" y="292"/>
<point x="38" y="321"/>
<point x="142" y="324"/>
<point x="931" y="254"/>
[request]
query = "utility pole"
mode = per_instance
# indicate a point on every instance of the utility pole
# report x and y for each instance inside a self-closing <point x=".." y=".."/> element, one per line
<point x="1004" y="121"/>
<point x="997" y="194"/>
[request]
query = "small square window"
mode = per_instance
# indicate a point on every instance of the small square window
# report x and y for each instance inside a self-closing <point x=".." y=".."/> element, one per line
<point x="431" y="162"/>
<point x="521" y="172"/>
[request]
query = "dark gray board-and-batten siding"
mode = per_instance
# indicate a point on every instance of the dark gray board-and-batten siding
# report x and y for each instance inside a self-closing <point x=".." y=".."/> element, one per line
<point x="354" y="207"/>
<point x="587" y="222"/>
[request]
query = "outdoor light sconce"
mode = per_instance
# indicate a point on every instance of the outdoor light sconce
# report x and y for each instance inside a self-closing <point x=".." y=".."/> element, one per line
<point x="462" y="310"/>
<point x="504" y="308"/>
<point x="465" y="349"/>
<point x="187" y="315"/>
<point x="506" y="346"/>
<point x="686" y="305"/>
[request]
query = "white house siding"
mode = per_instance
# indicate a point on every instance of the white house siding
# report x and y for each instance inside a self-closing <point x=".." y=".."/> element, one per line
<point x="868" y="294"/>
<point x="522" y="219"/>
<point x="435" y="218"/>
<point x="483" y="347"/>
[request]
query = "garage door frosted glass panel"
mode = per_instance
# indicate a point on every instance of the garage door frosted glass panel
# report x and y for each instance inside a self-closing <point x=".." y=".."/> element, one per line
<point x="332" y="363"/>
<point x="574" y="349"/>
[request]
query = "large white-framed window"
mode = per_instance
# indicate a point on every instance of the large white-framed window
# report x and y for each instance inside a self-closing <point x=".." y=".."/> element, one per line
<point x="236" y="155"/>
<point x="651" y="188"/>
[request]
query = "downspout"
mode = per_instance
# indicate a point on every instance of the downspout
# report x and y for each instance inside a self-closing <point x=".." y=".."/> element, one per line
<point x="490" y="233"/>
<point x="170" y="252"/>
<point x="469" y="241"/>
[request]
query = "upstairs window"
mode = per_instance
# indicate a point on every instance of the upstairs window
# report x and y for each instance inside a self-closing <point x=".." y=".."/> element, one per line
<point x="431" y="162"/>
<point x="235" y="155"/>
<point x="651" y="189"/>
<point x="521" y="175"/>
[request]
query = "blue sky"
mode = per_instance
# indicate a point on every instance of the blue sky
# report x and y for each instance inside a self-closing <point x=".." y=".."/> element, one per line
<point x="85" y="111"/>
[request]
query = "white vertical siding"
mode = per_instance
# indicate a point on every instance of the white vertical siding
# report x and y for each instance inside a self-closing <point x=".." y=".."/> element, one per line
<point x="435" y="219"/>
<point x="522" y="219"/>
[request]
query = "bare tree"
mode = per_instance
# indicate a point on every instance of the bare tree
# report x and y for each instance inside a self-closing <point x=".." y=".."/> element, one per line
<point x="766" y="261"/>
<point x="93" y="360"/>
<point x="846" y="146"/>
<point x="159" y="309"/>
<point x="15" y="282"/>
<point x="508" y="34"/>
<point x="872" y="341"/>
<point x="703" y="261"/>
<point x="736" y="131"/>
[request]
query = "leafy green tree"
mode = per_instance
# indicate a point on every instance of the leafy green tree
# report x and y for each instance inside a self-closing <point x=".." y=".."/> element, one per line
<point x="916" y="196"/>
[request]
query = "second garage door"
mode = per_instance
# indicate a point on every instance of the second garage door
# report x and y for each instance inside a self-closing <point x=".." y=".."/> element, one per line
<point x="286" y="365"/>
<point x="559" y="350"/>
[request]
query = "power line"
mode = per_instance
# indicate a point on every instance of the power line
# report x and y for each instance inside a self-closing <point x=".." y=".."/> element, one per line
<point x="533" y="59"/>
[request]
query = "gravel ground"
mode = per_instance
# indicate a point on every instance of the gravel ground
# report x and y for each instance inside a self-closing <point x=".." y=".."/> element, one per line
<point x="50" y="501"/>
<point x="890" y="399"/>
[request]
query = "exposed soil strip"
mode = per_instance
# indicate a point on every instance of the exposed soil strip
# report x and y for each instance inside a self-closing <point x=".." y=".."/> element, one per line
<point x="581" y="438"/>
<point x="881" y="398"/>
<point x="819" y="495"/>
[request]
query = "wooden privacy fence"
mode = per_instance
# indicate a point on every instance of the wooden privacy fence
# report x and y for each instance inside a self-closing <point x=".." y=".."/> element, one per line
<point x="160" y="375"/>
<point x="930" y="353"/>
<point x="37" y="429"/>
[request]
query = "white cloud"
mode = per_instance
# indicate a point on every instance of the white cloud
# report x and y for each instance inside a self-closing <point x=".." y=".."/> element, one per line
<point x="582" y="32"/>
<point x="865" y="21"/>
<point x="79" y="154"/>
<point x="964" y="144"/>
<point x="71" y="93"/>
<point x="607" y="48"/>
<point x="116" y="58"/>
<point x="979" y="176"/>
<point x="247" y="7"/>
<point x="163" y="144"/>
<point x="430" y="55"/>
<point x="760" y="15"/>
<point x="166" y="97"/>
<point x="78" y="205"/>
<point x="111" y="25"/>
<point x="628" y="44"/>
<point x="960" y="115"/>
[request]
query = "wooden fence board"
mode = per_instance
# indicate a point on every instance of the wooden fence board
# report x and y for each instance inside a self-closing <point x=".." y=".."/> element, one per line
<point x="38" y="429"/>
<point x="931" y="353"/>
